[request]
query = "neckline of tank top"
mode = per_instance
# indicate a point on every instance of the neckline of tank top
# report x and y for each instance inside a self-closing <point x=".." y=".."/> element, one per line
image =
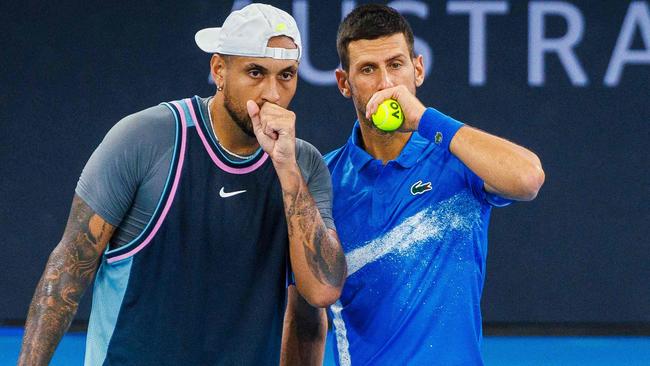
<point x="243" y="157"/>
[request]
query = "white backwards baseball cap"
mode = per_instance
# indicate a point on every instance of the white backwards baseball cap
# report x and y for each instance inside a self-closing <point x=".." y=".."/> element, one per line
<point x="246" y="32"/>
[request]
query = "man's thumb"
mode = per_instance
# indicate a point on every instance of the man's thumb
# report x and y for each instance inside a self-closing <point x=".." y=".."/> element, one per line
<point x="253" y="110"/>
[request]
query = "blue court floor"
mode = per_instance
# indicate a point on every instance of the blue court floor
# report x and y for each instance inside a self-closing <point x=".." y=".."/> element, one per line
<point x="497" y="351"/>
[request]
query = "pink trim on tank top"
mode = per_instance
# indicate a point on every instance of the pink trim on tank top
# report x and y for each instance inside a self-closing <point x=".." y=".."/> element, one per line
<point x="170" y="199"/>
<point x="214" y="157"/>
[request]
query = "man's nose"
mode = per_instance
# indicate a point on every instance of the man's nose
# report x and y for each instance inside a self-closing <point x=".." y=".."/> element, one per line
<point x="386" y="79"/>
<point x="270" y="92"/>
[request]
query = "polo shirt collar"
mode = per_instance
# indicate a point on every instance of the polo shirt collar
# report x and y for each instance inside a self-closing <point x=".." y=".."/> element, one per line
<point x="412" y="152"/>
<point x="358" y="156"/>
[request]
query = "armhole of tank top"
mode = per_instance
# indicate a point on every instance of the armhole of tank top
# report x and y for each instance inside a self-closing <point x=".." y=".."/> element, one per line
<point x="166" y="197"/>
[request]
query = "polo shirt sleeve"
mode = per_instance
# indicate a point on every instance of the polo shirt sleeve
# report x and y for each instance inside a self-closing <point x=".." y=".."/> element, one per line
<point x="478" y="190"/>
<point x="440" y="129"/>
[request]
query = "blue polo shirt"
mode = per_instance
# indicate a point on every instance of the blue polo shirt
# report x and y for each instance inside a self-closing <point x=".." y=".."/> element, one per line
<point x="415" y="236"/>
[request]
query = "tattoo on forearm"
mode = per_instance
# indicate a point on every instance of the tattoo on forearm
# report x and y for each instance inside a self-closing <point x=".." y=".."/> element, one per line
<point x="326" y="263"/>
<point x="324" y="257"/>
<point x="69" y="270"/>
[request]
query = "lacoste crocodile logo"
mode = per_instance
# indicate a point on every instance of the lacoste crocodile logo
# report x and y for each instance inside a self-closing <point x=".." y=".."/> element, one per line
<point x="438" y="138"/>
<point x="419" y="187"/>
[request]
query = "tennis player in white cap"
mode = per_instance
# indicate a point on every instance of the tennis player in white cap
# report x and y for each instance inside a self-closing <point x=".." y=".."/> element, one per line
<point x="195" y="216"/>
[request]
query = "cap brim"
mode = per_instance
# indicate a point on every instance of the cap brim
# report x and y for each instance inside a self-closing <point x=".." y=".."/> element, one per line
<point x="207" y="38"/>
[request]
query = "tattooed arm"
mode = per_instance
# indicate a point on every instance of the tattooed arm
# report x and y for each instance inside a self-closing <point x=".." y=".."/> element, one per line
<point x="319" y="266"/>
<point x="69" y="270"/>
<point x="316" y="255"/>
<point x="303" y="336"/>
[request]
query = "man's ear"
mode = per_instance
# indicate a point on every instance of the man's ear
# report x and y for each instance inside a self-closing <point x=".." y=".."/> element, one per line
<point x="218" y="69"/>
<point x="418" y="63"/>
<point x="342" y="83"/>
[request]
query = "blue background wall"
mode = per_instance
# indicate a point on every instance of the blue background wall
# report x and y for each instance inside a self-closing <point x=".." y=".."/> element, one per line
<point x="579" y="253"/>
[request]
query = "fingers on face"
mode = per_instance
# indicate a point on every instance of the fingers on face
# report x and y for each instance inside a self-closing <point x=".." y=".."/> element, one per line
<point x="381" y="95"/>
<point x="375" y="100"/>
<point x="273" y="119"/>
<point x="276" y="114"/>
<point x="252" y="108"/>
<point x="254" y="113"/>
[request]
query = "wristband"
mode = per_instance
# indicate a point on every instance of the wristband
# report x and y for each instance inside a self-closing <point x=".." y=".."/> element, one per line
<point x="438" y="128"/>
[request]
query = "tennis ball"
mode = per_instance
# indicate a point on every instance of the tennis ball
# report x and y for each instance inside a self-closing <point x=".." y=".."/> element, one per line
<point x="389" y="115"/>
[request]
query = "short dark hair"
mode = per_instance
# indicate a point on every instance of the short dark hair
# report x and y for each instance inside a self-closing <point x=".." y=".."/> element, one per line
<point x="371" y="21"/>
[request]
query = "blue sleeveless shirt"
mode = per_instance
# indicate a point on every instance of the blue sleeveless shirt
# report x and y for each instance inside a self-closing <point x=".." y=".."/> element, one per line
<point x="205" y="282"/>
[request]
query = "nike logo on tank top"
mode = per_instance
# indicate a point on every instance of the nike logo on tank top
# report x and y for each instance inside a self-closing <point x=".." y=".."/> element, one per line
<point x="205" y="283"/>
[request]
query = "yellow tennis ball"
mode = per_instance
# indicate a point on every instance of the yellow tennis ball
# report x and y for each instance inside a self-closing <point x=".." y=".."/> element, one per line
<point x="389" y="115"/>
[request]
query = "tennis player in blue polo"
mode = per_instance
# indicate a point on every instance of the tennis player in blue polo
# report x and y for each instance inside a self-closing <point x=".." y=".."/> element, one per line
<point x="412" y="208"/>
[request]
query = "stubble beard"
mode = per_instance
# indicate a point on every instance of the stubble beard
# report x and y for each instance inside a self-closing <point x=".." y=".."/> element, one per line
<point x="239" y="114"/>
<point x="361" y="107"/>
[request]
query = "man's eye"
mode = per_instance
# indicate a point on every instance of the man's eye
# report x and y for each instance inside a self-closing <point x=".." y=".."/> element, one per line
<point x="287" y="75"/>
<point x="366" y="70"/>
<point x="255" y="73"/>
<point x="396" y="65"/>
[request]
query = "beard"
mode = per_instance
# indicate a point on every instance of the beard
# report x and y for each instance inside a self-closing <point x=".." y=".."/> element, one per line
<point x="238" y="113"/>
<point x="360" y="105"/>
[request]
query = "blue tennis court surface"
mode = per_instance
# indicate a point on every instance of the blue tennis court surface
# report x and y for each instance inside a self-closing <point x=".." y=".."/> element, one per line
<point x="497" y="351"/>
<point x="565" y="351"/>
<point x="70" y="351"/>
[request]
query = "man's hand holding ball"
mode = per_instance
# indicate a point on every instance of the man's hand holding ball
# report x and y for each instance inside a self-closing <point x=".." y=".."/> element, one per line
<point x="395" y="109"/>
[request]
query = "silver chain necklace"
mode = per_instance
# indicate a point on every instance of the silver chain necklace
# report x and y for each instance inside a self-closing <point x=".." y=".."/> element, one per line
<point x="243" y="157"/>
